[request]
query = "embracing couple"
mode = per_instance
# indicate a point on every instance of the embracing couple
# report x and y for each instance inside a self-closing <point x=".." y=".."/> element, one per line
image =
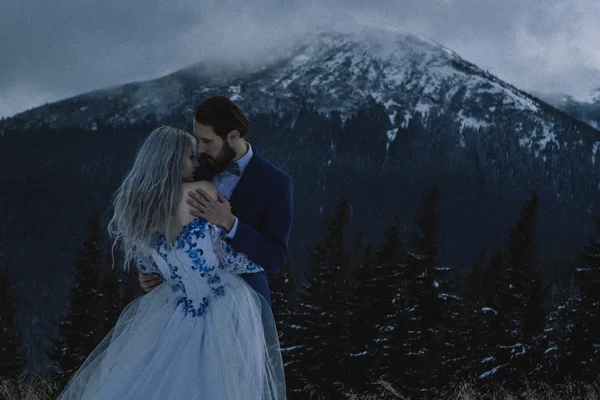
<point x="205" y="217"/>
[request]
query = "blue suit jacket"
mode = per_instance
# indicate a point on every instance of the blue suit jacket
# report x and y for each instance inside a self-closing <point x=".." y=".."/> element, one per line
<point x="263" y="203"/>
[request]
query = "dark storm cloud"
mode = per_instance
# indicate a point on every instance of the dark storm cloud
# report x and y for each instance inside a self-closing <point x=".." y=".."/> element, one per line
<point x="52" y="50"/>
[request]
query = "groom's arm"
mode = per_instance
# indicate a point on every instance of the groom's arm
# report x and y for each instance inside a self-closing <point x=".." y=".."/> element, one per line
<point x="268" y="247"/>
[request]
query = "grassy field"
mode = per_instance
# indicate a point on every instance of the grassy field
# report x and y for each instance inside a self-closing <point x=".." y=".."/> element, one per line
<point x="38" y="389"/>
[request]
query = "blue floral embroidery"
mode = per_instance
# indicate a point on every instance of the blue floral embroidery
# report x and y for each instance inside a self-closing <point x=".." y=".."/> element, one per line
<point x="214" y="279"/>
<point x="234" y="259"/>
<point x="181" y="300"/>
<point x="191" y="309"/>
<point x="189" y="242"/>
<point x="196" y="256"/>
<point x="145" y="269"/>
<point x="178" y="283"/>
<point x="219" y="291"/>
<point x="197" y="227"/>
<point x="202" y="307"/>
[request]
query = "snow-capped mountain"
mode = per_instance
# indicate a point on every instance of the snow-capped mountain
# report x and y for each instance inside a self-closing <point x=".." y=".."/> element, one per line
<point x="376" y="117"/>
<point x="412" y="77"/>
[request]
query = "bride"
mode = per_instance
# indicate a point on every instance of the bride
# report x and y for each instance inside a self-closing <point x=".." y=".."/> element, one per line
<point x="205" y="334"/>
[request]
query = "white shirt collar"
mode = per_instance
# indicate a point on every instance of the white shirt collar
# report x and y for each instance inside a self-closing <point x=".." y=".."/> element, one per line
<point x="243" y="162"/>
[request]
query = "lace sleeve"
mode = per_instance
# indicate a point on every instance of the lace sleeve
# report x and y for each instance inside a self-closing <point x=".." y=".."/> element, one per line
<point x="147" y="266"/>
<point x="230" y="259"/>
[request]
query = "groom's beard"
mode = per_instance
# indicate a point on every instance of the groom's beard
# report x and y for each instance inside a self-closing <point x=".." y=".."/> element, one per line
<point x="222" y="160"/>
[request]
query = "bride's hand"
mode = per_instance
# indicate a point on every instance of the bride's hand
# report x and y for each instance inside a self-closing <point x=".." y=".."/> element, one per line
<point x="149" y="282"/>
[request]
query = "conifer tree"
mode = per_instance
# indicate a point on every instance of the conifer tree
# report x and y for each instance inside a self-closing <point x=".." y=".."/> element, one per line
<point x="361" y="327"/>
<point x="525" y="293"/>
<point x="78" y="331"/>
<point x="511" y="344"/>
<point x="492" y="360"/>
<point x="472" y="320"/>
<point x="386" y="288"/>
<point x="483" y="318"/>
<point x="565" y="351"/>
<point x="283" y="299"/>
<point x="358" y="362"/>
<point x="130" y="284"/>
<point x="587" y="327"/>
<point x="10" y="362"/>
<point x="423" y="308"/>
<point x="111" y="297"/>
<point x="322" y="305"/>
<point x="283" y="292"/>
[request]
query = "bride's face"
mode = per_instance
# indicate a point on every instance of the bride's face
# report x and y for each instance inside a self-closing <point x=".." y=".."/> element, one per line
<point x="188" y="166"/>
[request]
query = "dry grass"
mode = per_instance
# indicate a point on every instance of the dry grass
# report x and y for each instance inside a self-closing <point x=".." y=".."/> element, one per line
<point x="567" y="391"/>
<point x="27" y="388"/>
<point x="469" y="391"/>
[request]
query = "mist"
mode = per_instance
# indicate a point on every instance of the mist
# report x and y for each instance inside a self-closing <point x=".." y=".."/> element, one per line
<point x="57" y="50"/>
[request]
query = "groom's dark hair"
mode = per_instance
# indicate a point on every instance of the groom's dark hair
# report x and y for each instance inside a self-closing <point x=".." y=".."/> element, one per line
<point x="223" y="115"/>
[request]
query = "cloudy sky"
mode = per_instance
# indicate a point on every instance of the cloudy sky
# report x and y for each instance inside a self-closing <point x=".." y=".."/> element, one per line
<point x="56" y="49"/>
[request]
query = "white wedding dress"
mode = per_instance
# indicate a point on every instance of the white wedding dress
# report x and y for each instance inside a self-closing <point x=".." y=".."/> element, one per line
<point x="203" y="334"/>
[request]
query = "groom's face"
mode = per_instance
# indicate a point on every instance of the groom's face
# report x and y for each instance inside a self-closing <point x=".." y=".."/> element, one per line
<point x="214" y="148"/>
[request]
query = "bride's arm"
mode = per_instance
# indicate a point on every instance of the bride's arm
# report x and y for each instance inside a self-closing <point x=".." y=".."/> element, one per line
<point x="229" y="259"/>
<point x="149" y="275"/>
<point x="147" y="266"/>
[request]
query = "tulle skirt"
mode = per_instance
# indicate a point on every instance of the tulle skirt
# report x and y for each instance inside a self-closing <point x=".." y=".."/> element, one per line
<point x="158" y="351"/>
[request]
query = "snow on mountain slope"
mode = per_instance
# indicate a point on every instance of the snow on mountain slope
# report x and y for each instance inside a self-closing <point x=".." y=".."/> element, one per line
<point x="411" y="76"/>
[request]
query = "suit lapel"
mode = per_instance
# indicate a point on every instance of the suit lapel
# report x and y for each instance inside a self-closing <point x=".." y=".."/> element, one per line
<point x="246" y="183"/>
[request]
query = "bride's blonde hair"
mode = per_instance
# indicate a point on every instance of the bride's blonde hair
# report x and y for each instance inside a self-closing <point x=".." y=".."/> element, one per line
<point x="146" y="202"/>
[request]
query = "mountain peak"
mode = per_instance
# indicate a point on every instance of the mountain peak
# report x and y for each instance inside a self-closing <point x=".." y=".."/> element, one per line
<point x="409" y="74"/>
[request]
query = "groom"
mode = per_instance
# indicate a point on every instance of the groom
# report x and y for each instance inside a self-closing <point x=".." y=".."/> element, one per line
<point x="255" y="204"/>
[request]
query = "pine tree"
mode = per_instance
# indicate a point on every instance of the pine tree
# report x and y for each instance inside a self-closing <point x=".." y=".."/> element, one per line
<point x="588" y="341"/>
<point x="358" y="306"/>
<point x="475" y="298"/>
<point x="322" y="307"/>
<point x="490" y="357"/>
<point x="563" y="355"/>
<point x="450" y="337"/>
<point x="361" y="329"/>
<point x="10" y="362"/>
<point x="475" y="294"/>
<point x="512" y="348"/>
<point x="525" y="295"/>
<point x="283" y="290"/>
<point x="386" y="291"/>
<point x="485" y="332"/>
<point x="78" y="332"/>
<point x="423" y="309"/>
<point x="130" y="284"/>
<point x="283" y="299"/>
<point x="111" y="298"/>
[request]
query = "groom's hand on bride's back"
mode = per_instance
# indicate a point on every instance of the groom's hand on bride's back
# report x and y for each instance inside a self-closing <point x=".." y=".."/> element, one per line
<point x="149" y="282"/>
